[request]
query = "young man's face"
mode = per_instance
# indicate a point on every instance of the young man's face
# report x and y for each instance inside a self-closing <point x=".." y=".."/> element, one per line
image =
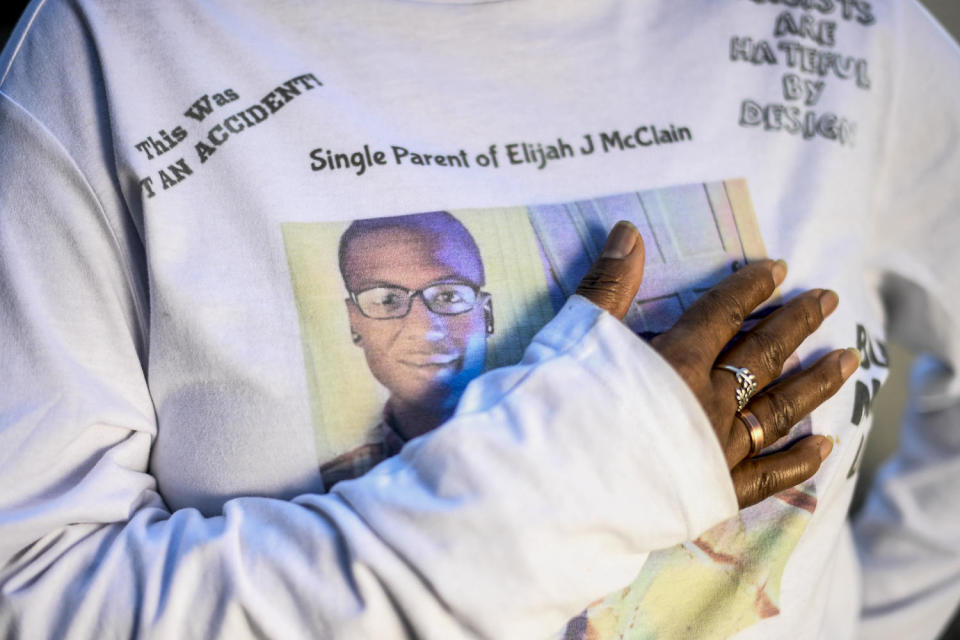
<point x="423" y="358"/>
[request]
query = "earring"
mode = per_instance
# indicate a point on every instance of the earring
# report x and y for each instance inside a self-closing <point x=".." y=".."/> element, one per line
<point x="355" y="337"/>
<point x="488" y="314"/>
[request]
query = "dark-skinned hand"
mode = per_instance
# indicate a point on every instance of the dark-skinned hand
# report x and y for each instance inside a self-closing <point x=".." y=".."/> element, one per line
<point x="703" y="338"/>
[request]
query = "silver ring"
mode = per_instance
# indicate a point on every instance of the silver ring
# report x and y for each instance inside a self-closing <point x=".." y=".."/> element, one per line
<point x="747" y="382"/>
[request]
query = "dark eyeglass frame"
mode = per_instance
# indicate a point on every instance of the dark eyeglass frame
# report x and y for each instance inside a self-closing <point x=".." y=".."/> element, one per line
<point x="479" y="297"/>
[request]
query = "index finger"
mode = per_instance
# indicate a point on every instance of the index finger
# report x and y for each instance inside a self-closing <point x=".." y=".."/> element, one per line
<point x="716" y="316"/>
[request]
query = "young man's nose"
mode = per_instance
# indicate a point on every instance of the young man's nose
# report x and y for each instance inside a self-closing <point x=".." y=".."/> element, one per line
<point x="422" y="323"/>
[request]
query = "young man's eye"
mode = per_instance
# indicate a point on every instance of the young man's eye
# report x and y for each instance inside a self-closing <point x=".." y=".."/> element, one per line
<point x="381" y="298"/>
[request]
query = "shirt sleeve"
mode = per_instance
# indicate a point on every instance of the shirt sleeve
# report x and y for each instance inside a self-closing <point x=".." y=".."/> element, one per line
<point x="549" y="485"/>
<point x="908" y="534"/>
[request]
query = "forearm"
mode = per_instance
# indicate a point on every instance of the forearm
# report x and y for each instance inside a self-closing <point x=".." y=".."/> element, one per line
<point x="545" y="490"/>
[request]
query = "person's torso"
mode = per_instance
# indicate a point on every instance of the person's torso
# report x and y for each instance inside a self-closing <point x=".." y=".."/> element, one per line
<point x="246" y="141"/>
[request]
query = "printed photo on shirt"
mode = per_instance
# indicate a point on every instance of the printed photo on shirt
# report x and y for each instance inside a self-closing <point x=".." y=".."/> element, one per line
<point x="399" y="313"/>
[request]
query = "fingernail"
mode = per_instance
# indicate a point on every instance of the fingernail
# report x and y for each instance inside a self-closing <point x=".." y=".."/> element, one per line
<point x="849" y="361"/>
<point x="779" y="271"/>
<point x="825" y="446"/>
<point x="828" y="302"/>
<point x="621" y="241"/>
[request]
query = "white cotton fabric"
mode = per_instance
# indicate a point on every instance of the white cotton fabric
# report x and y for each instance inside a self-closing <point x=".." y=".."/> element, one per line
<point x="158" y="470"/>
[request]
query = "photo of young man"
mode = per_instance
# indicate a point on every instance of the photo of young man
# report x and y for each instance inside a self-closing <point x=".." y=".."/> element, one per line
<point x="417" y="310"/>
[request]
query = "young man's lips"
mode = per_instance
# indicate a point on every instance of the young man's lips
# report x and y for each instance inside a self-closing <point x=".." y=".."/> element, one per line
<point x="431" y="360"/>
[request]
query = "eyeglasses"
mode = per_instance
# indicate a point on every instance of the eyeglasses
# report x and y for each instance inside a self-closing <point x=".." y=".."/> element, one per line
<point x="445" y="298"/>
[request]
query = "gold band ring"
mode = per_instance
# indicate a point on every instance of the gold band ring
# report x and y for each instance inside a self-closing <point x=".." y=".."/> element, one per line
<point x="754" y="429"/>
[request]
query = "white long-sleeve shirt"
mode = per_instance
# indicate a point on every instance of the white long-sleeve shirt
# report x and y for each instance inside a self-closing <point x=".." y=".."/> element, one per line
<point x="177" y="360"/>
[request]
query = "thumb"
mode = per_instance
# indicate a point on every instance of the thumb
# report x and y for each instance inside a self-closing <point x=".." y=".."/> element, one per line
<point x="615" y="277"/>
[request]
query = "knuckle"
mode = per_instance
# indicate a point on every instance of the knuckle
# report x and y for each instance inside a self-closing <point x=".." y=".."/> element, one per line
<point x="756" y="272"/>
<point x="764" y="284"/>
<point x="784" y="409"/>
<point x="804" y="468"/>
<point x="771" y="351"/>
<point x="605" y="289"/>
<point x="724" y="307"/>
<point x="760" y="279"/>
<point x="825" y="386"/>
<point x="766" y="484"/>
<point x="809" y="315"/>
<point x="601" y="280"/>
